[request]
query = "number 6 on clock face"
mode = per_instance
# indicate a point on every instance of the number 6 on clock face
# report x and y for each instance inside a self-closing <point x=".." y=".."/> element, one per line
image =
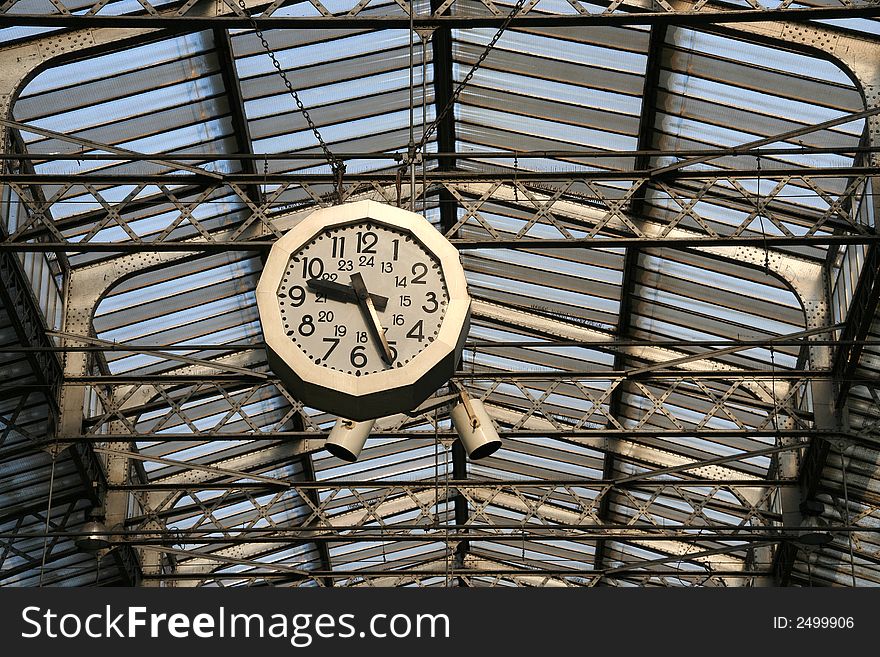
<point x="364" y="309"/>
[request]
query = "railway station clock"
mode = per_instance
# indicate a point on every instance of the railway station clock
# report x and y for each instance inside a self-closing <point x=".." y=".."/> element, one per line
<point x="364" y="309"/>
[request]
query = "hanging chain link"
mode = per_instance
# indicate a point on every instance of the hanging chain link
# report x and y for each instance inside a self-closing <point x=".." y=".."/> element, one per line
<point x="337" y="166"/>
<point x="467" y="78"/>
<point x="516" y="176"/>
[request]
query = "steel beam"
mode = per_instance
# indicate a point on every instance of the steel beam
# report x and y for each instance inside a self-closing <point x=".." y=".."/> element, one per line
<point x="710" y="153"/>
<point x="443" y="62"/>
<point x="403" y="575"/>
<point x="432" y="175"/>
<point x="316" y="438"/>
<point x="462" y="514"/>
<point x="859" y="57"/>
<point x="709" y="15"/>
<point x="487" y="375"/>
<point x="27" y="319"/>
<point x="444" y="85"/>
<point x="728" y="345"/>
<point x="223" y="246"/>
<point x="331" y="484"/>
<point x="30" y="328"/>
<point x="312" y="493"/>
<point x="653" y="67"/>
<point x="578" y="534"/>
<point x="861" y="316"/>
<point x="240" y="126"/>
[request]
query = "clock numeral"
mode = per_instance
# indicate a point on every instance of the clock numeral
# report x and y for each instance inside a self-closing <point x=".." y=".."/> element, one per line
<point x="345" y="265"/>
<point x="306" y="326"/>
<point x="387" y="267"/>
<point x="391" y="344"/>
<point x="338" y="246"/>
<point x="367" y="242"/>
<point x="320" y="298"/>
<point x="396" y="244"/>
<point x="357" y="357"/>
<point x="419" y="278"/>
<point x="417" y="332"/>
<point x="431" y="304"/>
<point x="398" y="320"/>
<point x="313" y="268"/>
<point x="361" y="337"/>
<point x="340" y="330"/>
<point x="335" y="343"/>
<point x="400" y="281"/>
<point x="325" y="316"/>
<point x="405" y="301"/>
<point x="297" y="296"/>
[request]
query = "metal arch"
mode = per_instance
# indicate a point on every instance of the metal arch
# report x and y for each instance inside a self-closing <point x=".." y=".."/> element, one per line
<point x="859" y="57"/>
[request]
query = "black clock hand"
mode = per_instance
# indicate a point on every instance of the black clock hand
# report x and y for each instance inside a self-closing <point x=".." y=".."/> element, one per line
<point x="344" y="292"/>
<point x="369" y="311"/>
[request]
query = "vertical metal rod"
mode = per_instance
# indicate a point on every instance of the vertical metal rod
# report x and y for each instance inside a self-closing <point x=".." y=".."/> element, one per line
<point x="436" y="469"/>
<point x="48" y="516"/>
<point x="412" y="114"/>
<point x="852" y="560"/>
<point x="448" y="549"/>
<point x="424" y="123"/>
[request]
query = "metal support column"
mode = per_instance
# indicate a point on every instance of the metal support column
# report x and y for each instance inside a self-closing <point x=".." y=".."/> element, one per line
<point x="444" y="85"/>
<point x="653" y="66"/>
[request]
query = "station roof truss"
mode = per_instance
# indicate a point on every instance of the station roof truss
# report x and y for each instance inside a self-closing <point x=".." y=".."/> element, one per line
<point x="666" y="214"/>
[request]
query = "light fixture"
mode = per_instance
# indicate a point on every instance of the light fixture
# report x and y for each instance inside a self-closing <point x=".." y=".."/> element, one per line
<point x="814" y="529"/>
<point x="814" y="533"/>
<point x="93" y="536"/>
<point x="469" y="419"/>
<point x="474" y="427"/>
<point x="347" y="438"/>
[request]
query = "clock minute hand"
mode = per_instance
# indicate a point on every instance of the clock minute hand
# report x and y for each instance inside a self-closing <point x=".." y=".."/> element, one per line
<point x="343" y="292"/>
<point x="369" y="310"/>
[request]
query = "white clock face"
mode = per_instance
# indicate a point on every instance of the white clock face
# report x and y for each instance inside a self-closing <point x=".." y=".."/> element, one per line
<point x="403" y="297"/>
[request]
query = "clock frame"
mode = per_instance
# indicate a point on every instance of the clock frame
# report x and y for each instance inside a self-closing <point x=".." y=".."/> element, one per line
<point x="394" y="390"/>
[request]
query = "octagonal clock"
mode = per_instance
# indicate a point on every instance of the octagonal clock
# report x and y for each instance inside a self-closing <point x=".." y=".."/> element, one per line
<point x="364" y="309"/>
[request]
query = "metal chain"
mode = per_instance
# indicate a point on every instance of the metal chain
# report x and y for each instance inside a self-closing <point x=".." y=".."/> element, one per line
<point x="336" y="164"/>
<point x="516" y="176"/>
<point x="467" y="78"/>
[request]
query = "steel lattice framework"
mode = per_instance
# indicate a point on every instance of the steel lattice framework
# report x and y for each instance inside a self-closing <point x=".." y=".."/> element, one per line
<point x="635" y="452"/>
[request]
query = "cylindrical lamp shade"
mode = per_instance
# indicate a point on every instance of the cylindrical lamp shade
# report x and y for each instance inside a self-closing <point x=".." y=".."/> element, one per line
<point x="347" y="438"/>
<point x="814" y="532"/>
<point x="93" y="537"/>
<point x="481" y="440"/>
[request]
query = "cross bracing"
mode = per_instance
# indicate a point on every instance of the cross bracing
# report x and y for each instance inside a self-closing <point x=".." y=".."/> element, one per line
<point x="666" y="213"/>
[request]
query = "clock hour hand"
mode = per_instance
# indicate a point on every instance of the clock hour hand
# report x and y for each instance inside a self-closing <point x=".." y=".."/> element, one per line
<point x="365" y="301"/>
<point x="343" y="292"/>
